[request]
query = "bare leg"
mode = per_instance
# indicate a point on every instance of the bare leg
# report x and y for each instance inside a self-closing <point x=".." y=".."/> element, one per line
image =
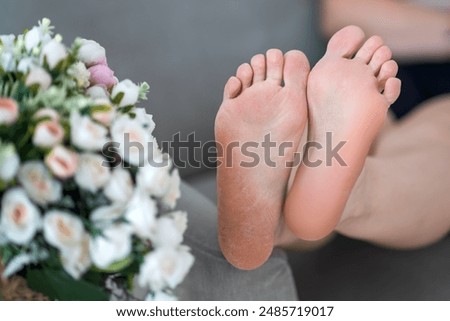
<point x="402" y="198"/>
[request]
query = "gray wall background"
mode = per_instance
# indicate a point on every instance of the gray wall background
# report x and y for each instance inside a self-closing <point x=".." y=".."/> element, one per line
<point x="185" y="49"/>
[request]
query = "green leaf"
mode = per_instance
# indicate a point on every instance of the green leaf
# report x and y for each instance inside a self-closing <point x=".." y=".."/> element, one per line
<point x="58" y="285"/>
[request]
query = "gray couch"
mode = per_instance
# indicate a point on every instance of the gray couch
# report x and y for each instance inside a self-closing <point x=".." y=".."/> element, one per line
<point x="186" y="49"/>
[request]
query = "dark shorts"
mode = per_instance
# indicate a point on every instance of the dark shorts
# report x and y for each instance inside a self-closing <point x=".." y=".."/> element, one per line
<point x="419" y="83"/>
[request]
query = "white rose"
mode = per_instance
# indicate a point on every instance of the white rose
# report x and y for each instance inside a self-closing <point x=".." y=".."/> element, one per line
<point x="79" y="71"/>
<point x="9" y="162"/>
<point x="46" y="113"/>
<point x="155" y="180"/>
<point x="38" y="183"/>
<point x="136" y="145"/>
<point x="165" y="267"/>
<point x="62" y="162"/>
<point x="63" y="230"/>
<point x="48" y="133"/>
<point x="9" y="111"/>
<point x="173" y="192"/>
<point x="119" y="189"/>
<point x="97" y="91"/>
<point x="141" y="214"/>
<point x="166" y="233"/>
<point x="86" y="134"/>
<point x="20" y="218"/>
<point x="54" y="52"/>
<point x="130" y="92"/>
<point x="145" y="119"/>
<point x="39" y="76"/>
<point x="91" y="53"/>
<point x="76" y="259"/>
<point x="92" y="172"/>
<point x="32" y="38"/>
<point x="105" y="216"/>
<point x="106" y="114"/>
<point x="114" y="245"/>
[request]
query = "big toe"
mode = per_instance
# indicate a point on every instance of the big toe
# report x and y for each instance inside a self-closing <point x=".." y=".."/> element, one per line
<point x="346" y="42"/>
<point x="296" y="70"/>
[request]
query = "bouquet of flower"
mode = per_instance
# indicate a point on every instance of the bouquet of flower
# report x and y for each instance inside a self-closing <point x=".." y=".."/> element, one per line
<point x="87" y="197"/>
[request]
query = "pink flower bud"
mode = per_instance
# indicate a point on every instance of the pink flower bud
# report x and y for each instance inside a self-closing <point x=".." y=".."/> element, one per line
<point x="102" y="75"/>
<point x="9" y="111"/>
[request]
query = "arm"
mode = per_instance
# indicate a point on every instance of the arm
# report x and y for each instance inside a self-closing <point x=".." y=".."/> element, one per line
<point x="412" y="32"/>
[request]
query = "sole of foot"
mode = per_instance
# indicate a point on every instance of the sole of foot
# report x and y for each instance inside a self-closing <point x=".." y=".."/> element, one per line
<point x="266" y="97"/>
<point x="349" y="92"/>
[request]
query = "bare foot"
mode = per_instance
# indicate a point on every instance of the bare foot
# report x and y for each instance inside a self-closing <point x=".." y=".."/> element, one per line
<point x="251" y="194"/>
<point x="349" y="92"/>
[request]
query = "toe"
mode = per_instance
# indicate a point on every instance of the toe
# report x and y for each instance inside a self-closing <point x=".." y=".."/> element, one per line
<point x="245" y="75"/>
<point x="346" y="42"/>
<point x="380" y="56"/>
<point x="232" y="88"/>
<point x="392" y="90"/>
<point x="369" y="48"/>
<point x="275" y="63"/>
<point x="388" y="70"/>
<point x="296" y="70"/>
<point x="258" y="63"/>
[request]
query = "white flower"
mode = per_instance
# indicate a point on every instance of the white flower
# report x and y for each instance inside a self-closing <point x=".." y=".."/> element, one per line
<point x="173" y="192"/>
<point x="114" y="245"/>
<point x="63" y="230"/>
<point x="20" y="218"/>
<point x="86" y="134"/>
<point x="17" y="264"/>
<point x="7" y="41"/>
<point x="165" y="267"/>
<point x="91" y="53"/>
<point x="136" y="145"/>
<point x="46" y="113"/>
<point x="145" y="119"/>
<point x="48" y="133"/>
<point x="105" y="216"/>
<point x="106" y="113"/>
<point x="9" y="162"/>
<point x="9" y="111"/>
<point x="33" y="38"/>
<point x="97" y="91"/>
<point x="120" y="186"/>
<point x="26" y="64"/>
<point x="62" y="162"/>
<point x="155" y="180"/>
<point x="7" y="61"/>
<point x="76" y="259"/>
<point x="38" y="183"/>
<point x="53" y="52"/>
<point x="79" y="71"/>
<point x="141" y="214"/>
<point x="166" y="233"/>
<point x="40" y="77"/>
<point x="92" y="172"/>
<point x="130" y="92"/>
<point x="161" y="296"/>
